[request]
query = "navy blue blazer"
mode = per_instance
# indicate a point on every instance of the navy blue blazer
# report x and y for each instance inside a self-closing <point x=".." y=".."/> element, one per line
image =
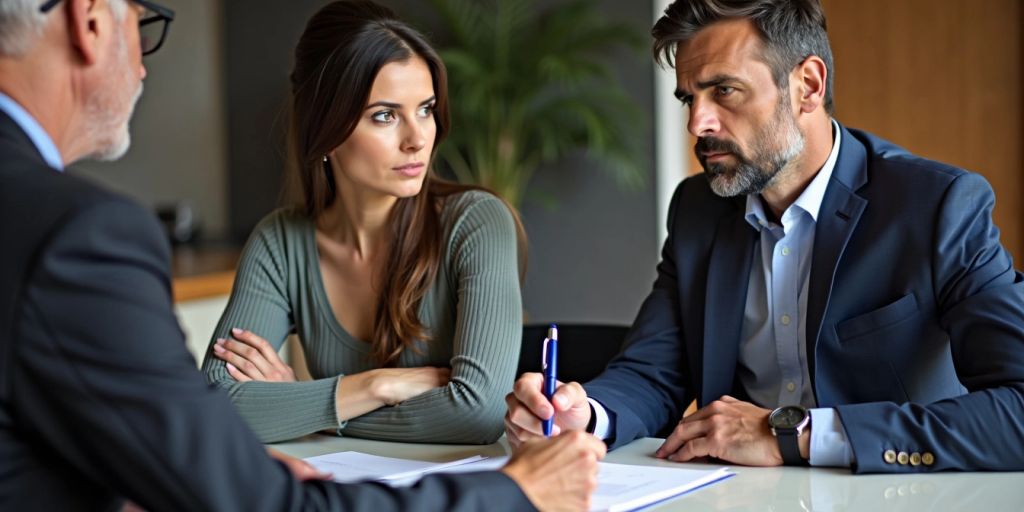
<point x="915" y="315"/>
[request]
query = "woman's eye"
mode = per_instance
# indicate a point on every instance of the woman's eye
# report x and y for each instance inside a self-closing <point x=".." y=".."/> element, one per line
<point x="384" y="117"/>
<point x="426" y="111"/>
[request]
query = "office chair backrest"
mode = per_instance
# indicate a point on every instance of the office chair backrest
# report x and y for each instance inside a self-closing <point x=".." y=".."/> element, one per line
<point x="583" y="350"/>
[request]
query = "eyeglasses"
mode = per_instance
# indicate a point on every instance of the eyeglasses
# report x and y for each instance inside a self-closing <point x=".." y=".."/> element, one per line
<point x="153" y="23"/>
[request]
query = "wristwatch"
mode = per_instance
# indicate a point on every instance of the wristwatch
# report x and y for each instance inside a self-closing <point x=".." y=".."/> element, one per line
<point x="788" y="423"/>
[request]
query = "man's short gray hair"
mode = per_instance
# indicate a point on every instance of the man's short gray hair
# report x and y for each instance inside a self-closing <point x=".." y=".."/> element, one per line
<point x="21" y="24"/>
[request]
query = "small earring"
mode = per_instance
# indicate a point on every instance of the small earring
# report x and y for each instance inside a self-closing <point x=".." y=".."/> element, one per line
<point x="325" y="158"/>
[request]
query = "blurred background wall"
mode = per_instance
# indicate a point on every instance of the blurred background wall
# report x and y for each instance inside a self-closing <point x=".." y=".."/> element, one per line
<point x="943" y="79"/>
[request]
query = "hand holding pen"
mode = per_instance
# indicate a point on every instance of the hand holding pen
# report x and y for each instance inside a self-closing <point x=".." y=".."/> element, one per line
<point x="567" y="409"/>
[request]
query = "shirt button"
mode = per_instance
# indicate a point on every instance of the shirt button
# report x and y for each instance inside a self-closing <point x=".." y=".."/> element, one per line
<point x="791" y="387"/>
<point x="903" y="458"/>
<point x="785" y="251"/>
<point x="927" y="458"/>
<point x="915" y="459"/>
<point x="889" y="457"/>
<point x="784" y="319"/>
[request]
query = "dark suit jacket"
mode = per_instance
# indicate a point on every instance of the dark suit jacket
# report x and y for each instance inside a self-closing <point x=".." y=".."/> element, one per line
<point x="915" y="315"/>
<point x="99" y="399"/>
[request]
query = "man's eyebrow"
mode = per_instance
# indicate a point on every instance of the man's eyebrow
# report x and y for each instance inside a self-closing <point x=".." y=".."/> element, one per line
<point x="704" y="84"/>
<point x="397" y="106"/>
<point x="716" y="80"/>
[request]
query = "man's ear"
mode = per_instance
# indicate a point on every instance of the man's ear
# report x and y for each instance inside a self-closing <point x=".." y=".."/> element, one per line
<point x="811" y="79"/>
<point x="85" y="27"/>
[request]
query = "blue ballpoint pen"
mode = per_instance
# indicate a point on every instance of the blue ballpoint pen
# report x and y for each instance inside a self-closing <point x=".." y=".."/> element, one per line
<point x="550" y="368"/>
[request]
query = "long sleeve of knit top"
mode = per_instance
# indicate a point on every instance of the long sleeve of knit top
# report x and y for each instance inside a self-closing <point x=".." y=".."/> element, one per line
<point x="473" y="312"/>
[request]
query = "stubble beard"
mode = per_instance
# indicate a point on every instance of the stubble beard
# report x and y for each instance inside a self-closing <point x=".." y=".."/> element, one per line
<point x="753" y="175"/>
<point x="109" y="112"/>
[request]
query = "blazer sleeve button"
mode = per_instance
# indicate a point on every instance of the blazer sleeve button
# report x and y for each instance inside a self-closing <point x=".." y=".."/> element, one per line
<point x="889" y="457"/>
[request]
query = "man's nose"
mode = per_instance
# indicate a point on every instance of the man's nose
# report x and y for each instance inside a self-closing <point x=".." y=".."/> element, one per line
<point x="703" y="118"/>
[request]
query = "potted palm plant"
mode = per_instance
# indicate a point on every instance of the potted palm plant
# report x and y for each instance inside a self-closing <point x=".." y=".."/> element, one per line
<point x="530" y="84"/>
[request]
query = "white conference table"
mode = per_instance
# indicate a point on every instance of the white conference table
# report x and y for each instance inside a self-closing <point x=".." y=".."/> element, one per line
<point x="765" y="489"/>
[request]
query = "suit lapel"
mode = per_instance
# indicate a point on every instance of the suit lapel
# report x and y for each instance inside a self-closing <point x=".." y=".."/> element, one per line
<point x="726" y="296"/>
<point x="840" y="212"/>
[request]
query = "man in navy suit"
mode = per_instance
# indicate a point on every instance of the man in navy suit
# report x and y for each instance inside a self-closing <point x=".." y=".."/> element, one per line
<point x="858" y="290"/>
<point x="99" y="398"/>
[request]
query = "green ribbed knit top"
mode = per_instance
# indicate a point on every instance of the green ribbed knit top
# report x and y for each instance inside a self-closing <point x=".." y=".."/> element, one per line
<point x="473" y="312"/>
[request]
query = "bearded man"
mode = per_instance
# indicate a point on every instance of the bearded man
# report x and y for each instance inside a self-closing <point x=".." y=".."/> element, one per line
<point x="856" y="289"/>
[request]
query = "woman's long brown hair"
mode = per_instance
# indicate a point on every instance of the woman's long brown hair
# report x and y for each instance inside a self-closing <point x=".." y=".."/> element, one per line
<point x="344" y="46"/>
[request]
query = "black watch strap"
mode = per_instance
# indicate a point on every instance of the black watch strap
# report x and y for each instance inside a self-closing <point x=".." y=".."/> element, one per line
<point x="789" y="445"/>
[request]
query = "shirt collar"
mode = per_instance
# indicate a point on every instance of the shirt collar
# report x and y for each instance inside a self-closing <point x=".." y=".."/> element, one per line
<point x="35" y="132"/>
<point x="810" y="199"/>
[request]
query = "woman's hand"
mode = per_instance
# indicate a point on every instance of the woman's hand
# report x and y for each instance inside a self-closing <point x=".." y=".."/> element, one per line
<point x="250" y="357"/>
<point x="396" y="385"/>
<point x="360" y="393"/>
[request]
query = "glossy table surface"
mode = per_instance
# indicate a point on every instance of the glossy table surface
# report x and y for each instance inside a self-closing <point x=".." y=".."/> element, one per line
<point x="767" y="489"/>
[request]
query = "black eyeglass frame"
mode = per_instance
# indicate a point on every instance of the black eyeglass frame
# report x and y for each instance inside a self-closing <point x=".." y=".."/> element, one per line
<point x="160" y="12"/>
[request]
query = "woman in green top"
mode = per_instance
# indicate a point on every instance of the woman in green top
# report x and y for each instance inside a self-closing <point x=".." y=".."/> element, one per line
<point x="402" y="288"/>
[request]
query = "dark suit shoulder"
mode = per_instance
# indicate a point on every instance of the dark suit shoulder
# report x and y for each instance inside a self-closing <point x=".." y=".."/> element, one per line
<point x="36" y="202"/>
<point x="895" y="164"/>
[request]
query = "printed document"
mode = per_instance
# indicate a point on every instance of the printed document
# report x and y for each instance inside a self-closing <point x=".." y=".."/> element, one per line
<point x="620" y="486"/>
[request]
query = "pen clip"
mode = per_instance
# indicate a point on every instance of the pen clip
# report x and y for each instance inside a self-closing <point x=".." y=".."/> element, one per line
<point x="544" y="354"/>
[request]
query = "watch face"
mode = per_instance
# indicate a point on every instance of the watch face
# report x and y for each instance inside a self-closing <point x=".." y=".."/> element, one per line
<point x="787" y="417"/>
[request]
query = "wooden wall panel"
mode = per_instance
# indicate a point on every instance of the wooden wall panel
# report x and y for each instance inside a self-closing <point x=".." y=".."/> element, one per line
<point x="942" y="78"/>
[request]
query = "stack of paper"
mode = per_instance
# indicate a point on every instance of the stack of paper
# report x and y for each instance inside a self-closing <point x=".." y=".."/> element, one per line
<point x="346" y="467"/>
<point x="619" y="487"/>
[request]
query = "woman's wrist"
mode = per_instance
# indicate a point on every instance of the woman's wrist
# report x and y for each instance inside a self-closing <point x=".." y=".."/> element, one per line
<point x="378" y="386"/>
<point x="358" y="394"/>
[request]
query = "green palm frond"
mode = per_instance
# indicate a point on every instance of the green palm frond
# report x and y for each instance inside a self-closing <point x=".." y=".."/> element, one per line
<point x="530" y="85"/>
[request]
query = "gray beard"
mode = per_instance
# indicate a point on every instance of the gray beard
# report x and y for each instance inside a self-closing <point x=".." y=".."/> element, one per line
<point x="112" y="137"/>
<point x="747" y="177"/>
<point x="109" y="115"/>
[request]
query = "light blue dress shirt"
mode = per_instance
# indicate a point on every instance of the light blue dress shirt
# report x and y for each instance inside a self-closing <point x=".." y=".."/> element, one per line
<point x="772" y="365"/>
<point x="44" y="144"/>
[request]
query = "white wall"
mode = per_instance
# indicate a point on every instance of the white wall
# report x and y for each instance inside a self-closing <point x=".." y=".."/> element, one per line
<point x="670" y="138"/>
